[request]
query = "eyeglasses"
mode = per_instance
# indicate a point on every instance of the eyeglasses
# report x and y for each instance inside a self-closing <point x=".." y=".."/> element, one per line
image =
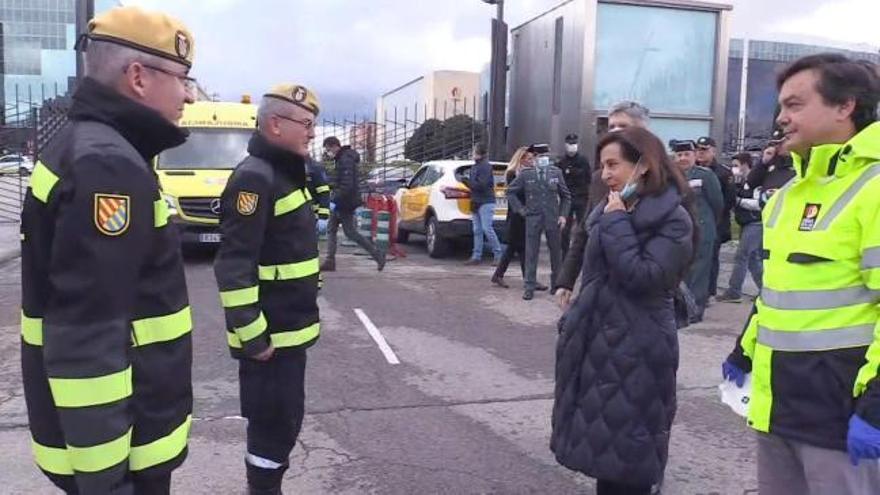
<point x="308" y="124"/>
<point x="189" y="83"/>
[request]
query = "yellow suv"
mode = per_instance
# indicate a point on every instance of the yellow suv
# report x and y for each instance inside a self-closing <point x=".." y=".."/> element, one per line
<point x="194" y="174"/>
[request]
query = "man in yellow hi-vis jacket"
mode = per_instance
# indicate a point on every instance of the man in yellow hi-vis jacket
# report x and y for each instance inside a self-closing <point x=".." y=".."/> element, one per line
<point x="812" y="343"/>
<point x="106" y="348"/>
<point x="267" y="270"/>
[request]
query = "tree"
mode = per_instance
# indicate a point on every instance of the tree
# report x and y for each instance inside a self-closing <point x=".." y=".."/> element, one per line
<point x="438" y="140"/>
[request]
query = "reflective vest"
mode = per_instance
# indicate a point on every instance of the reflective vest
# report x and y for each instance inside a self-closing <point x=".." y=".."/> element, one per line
<point x="813" y="339"/>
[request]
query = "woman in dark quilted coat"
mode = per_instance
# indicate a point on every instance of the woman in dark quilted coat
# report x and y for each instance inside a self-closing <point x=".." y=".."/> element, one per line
<point x="617" y="352"/>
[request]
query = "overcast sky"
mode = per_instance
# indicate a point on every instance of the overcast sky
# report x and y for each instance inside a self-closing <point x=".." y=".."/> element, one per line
<point x="351" y="51"/>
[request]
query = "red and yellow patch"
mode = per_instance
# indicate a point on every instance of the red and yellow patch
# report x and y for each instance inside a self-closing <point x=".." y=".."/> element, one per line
<point x="247" y="202"/>
<point x="112" y="213"/>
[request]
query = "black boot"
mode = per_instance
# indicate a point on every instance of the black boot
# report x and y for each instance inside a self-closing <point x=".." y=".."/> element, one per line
<point x="380" y="260"/>
<point x="528" y="295"/>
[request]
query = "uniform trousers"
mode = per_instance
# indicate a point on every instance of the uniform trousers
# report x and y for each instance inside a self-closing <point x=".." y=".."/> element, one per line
<point x="535" y="226"/>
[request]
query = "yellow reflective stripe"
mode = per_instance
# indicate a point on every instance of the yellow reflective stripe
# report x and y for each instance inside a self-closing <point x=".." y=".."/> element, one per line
<point x="161" y="450"/>
<point x="322" y="189"/>
<point x="233" y="340"/>
<point x="252" y="330"/>
<point x="817" y="340"/>
<point x="847" y="197"/>
<point x="240" y="297"/>
<point x="868" y="371"/>
<point x="162" y="328"/>
<point x="52" y="459"/>
<point x="100" y="457"/>
<point x="32" y="330"/>
<point x="43" y="181"/>
<point x="85" y="392"/>
<point x="160" y="212"/>
<point x="292" y="201"/>
<point x="295" y="338"/>
<point x="290" y="271"/>
<point x="777" y="200"/>
<point x="324" y="211"/>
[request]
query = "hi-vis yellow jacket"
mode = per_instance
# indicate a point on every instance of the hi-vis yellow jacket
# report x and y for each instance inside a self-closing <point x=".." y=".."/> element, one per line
<point x="813" y="340"/>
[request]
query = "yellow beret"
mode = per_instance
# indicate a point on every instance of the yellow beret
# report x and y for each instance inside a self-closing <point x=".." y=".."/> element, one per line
<point x="150" y="32"/>
<point x="296" y="94"/>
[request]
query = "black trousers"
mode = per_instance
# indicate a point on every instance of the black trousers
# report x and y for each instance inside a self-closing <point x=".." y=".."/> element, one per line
<point x="716" y="267"/>
<point x="346" y="219"/>
<point x="507" y="257"/>
<point x="136" y="485"/>
<point x="604" y="487"/>
<point x="273" y="402"/>
<point x="578" y="211"/>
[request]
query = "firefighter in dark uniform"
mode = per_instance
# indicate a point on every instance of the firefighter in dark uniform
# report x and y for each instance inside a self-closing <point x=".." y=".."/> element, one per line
<point x="319" y="188"/>
<point x="547" y="206"/>
<point x="106" y="328"/>
<point x="576" y="170"/>
<point x="708" y="205"/>
<point x="267" y="273"/>
<point x="707" y="157"/>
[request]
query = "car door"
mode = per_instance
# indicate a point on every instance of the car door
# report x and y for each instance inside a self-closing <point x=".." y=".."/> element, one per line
<point x="410" y="198"/>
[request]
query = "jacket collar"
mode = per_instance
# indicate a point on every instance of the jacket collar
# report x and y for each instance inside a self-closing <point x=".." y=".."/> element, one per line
<point x="285" y="161"/>
<point x="841" y="159"/>
<point x="143" y="127"/>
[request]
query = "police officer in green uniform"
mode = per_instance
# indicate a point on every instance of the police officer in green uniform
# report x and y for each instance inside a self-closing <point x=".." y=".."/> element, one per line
<point x="546" y="209"/>
<point x="106" y="346"/>
<point x="708" y="203"/>
<point x="267" y="273"/>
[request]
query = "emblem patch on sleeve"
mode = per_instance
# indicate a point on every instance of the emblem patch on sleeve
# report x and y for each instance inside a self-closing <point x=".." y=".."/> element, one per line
<point x="247" y="202"/>
<point x="112" y="213"/>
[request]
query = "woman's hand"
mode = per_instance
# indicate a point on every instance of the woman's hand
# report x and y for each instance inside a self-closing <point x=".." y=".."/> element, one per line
<point x="615" y="203"/>
<point x="563" y="298"/>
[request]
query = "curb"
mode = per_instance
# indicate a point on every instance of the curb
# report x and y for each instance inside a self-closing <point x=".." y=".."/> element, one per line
<point x="7" y="255"/>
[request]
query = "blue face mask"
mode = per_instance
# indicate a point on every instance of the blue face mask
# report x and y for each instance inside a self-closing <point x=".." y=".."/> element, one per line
<point x="543" y="161"/>
<point x="632" y="185"/>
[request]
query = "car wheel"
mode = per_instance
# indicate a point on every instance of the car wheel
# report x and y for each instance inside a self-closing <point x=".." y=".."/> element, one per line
<point x="437" y="246"/>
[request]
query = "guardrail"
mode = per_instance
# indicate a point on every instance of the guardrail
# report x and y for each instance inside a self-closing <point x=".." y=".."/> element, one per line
<point x="12" y="191"/>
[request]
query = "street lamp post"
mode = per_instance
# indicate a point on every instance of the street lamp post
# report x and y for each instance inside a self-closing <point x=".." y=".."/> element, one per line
<point x="85" y="10"/>
<point x="498" y="85"/>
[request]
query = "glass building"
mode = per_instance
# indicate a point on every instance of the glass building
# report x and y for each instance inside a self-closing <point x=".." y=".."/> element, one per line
<point x="749" y="126"/>
<point x="37" y="60"/>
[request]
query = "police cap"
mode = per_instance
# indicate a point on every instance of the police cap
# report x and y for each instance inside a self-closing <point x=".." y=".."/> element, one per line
<point x="683" y="145"/>
<point x="571" y="139"/>
<point x="150" y="32"/>
<point x="300" y="96"/>
<point x="706" y="142"/>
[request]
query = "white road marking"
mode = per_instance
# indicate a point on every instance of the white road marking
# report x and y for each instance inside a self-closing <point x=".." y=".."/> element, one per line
<point x="377" y="336"/>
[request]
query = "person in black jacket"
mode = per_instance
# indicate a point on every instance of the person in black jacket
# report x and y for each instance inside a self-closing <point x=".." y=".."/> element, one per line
<point x="576" y="170"/>
<point x="707" y="156"/>
<point x="347" y="198"/>
<point x="481" y="182"/>
<point x="267" y="273"/>
<point x="747" y="214"/>
<point x="106" y="324"/>
<point x="617" y="352"/>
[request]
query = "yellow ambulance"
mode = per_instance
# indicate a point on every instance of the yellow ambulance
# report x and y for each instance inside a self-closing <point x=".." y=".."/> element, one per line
<point x="194" y="174"/>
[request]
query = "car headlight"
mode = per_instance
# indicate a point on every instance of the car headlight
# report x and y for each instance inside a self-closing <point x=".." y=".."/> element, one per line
<point x="172" y="205"/>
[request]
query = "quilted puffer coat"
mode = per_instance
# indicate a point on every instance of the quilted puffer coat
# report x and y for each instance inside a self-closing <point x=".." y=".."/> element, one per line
<point x="617" y="353"/>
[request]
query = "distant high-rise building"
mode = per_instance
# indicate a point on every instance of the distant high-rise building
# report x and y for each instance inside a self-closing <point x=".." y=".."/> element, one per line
<point x="38" y="60"/>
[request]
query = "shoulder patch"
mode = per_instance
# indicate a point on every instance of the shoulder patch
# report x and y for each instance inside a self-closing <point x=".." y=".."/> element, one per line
<point x="112" y="213"/>
<point x="247" y="202"/>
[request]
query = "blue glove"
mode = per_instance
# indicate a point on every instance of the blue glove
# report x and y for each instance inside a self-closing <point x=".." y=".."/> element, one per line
<point x="862" y="440"/>
<point x="332" y="206"/>
<point x="732" y="373"/>
<point x="322" y="226"/>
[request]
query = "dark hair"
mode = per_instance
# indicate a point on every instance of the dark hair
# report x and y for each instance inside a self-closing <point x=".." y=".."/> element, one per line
<point x="638" y="143"/>
<point x="744" y="158"/>
<point x="840" y="80"/>
<point x="480" y="149"/>
<point x="332" y="141"/>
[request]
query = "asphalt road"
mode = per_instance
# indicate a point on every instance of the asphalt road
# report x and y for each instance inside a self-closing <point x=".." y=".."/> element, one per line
<point x="467" y="410"/>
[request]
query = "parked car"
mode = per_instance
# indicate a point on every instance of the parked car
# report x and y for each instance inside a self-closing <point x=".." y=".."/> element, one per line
<point x="16" y="165"/>
<point x="437" y="203"/>
<point x="388" y="180"/>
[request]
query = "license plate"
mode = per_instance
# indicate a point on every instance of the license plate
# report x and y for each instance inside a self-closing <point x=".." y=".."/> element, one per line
<point x="212" y="238"/>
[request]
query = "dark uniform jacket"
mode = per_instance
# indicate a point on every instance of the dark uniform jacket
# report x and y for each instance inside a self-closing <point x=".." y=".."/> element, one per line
<point x="267" y="265"/>
<point x="106" y="346"/>
<point x="548" y="197"/>
<point x="319" y="188"/>
<point x="617" y="352"/>
<point x="577" y="173"/>
<point x="728" y="190"/>
<point x="346" y="191"/>
<point x="481" y="182"/>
